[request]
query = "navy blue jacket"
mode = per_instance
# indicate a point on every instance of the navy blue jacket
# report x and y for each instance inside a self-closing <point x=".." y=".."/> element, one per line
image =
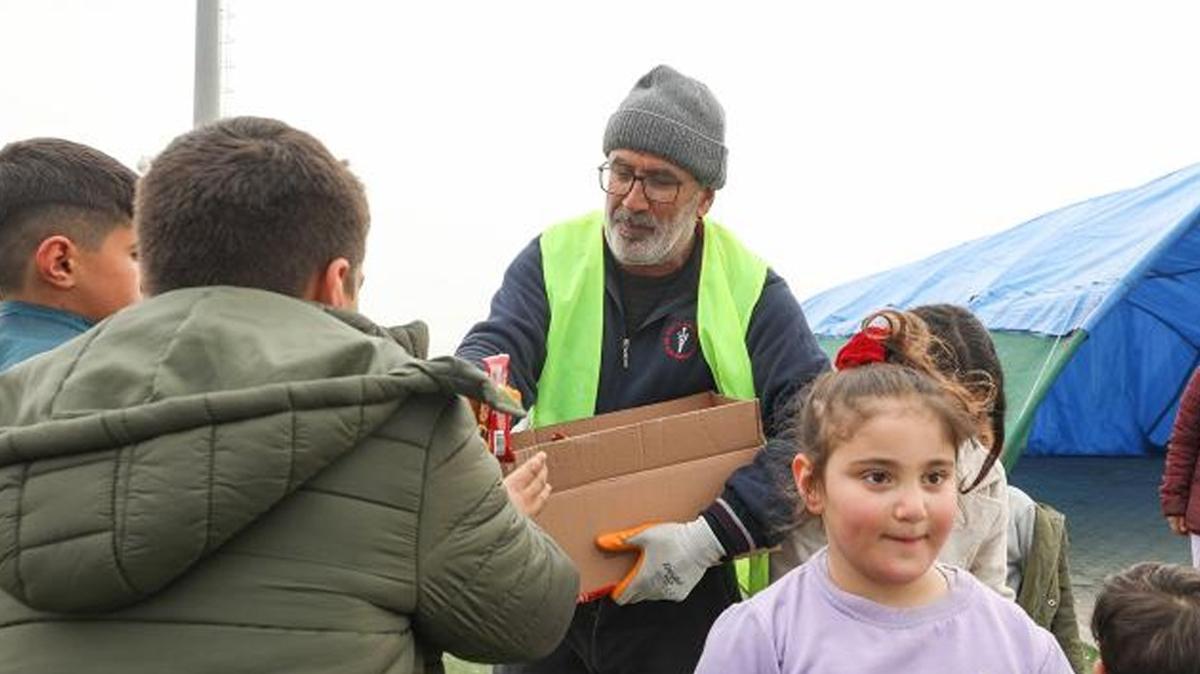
<point x="660" y="360"/>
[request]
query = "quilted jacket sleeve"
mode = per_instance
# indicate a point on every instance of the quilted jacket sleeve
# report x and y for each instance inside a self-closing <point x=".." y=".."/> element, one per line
<point x="491" y="586"/>
<point x="1182" y="450"/>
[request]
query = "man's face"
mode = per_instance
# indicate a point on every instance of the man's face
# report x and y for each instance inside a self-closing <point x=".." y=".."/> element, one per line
<point x="107" y="277"/>
<point x="641" y="232"/>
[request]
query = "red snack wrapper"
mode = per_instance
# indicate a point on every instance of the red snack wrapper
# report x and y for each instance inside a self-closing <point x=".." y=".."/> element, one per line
<point x="499" y="425"/>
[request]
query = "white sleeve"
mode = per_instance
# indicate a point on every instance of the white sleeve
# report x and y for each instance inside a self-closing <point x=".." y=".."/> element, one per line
<point x="979" y="540"/>
<point x="991" y="560"/>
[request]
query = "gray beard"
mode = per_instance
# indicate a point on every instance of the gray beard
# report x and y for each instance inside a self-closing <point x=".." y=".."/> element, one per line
<point x="655" y="249"/>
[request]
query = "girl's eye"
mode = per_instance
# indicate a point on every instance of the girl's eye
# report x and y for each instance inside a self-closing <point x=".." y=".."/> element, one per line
<point x="937" y="478"/>
<point x="875" y="477"/>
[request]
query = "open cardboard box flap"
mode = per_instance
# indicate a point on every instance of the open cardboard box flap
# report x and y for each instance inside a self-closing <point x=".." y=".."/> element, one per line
<point x="663" y="462"/>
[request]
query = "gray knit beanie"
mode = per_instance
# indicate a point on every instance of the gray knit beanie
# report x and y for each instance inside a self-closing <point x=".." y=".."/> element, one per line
<point x="674" y="117"/>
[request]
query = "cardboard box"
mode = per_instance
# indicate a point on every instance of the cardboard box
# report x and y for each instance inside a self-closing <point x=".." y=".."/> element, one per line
<point x="663" y="462"/>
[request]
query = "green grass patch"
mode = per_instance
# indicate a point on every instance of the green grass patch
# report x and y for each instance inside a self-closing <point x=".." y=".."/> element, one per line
<point x="1091" y="655"/>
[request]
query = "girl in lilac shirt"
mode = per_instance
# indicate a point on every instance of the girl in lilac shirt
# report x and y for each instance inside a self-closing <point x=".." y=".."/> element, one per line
<point x="878" y="468"/>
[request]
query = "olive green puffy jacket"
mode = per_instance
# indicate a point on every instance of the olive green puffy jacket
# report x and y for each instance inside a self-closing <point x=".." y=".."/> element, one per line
<point x="230" y="480"/>
<point x="1045" y="591"/>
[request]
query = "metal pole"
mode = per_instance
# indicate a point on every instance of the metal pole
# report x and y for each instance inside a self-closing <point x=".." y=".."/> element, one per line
<point x="206" y="104"/>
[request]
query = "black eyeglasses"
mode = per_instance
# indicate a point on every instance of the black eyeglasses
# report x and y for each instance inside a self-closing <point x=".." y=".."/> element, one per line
<point x="620" y="180"/>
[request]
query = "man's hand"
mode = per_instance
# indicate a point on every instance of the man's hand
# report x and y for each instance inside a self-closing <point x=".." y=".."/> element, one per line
<point x="1177" y="524"/>
<point x="528" y="486"/>
<point x="481" y="409"/>
<point x="671" y="559"/>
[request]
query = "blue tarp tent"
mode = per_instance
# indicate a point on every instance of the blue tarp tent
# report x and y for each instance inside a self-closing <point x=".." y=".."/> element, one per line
<point x="1095" y="309"/>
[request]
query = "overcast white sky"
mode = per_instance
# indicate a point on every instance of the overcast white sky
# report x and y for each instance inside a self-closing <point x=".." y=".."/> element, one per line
<point x="862" y="135"/>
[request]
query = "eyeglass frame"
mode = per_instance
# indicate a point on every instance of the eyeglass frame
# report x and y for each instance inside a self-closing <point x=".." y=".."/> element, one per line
<point x="607" y="166"/>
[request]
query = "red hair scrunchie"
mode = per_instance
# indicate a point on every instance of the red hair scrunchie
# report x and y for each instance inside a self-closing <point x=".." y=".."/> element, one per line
<point x="864" y="348"/>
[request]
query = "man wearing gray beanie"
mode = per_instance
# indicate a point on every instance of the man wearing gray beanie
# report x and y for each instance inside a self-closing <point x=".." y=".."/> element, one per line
<point x="646" y="301"/>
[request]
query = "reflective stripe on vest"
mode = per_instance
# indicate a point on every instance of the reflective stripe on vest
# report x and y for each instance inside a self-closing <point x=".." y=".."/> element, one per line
<point x="573" y="271"/>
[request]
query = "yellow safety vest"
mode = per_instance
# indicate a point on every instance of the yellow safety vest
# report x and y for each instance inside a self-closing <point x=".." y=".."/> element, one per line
<point x="731" y="280"/>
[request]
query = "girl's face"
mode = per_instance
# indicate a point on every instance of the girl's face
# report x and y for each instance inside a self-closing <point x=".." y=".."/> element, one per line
<point x="888" y="500"/>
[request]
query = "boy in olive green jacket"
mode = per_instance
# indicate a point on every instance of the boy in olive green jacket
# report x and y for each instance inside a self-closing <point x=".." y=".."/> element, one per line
<point x="239" y="474"/>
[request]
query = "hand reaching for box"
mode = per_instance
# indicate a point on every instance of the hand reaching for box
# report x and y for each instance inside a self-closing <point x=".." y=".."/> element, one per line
<point x="528" y="485"/>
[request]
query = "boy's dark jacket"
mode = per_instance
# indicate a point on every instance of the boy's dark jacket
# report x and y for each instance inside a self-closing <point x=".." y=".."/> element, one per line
<point x="230" y="480"/>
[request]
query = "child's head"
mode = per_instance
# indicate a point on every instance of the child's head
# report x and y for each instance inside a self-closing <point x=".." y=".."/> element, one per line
<point x="66" y="235"/>
<point x="1147" y="620"/>
<point x="252" y="202"/>
<point x="965" y="352"/>
<point x="947" y="342"/>
<point x="879" y="450"/>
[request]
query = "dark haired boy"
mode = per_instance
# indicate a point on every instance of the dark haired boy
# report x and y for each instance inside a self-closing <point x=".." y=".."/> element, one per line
<point x="1147" y="621"/>
<point x="68" y="254"/>
<point x="239" y="474"/>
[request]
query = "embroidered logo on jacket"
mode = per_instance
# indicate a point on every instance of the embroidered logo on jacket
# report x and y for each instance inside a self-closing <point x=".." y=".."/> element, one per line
<point x="680" y="340"/>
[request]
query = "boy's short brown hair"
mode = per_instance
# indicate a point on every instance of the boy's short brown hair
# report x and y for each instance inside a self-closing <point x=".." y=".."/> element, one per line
<point x="52" y="186"/>
<point x="248" y="202"/>
<point x="1147" y="619"/>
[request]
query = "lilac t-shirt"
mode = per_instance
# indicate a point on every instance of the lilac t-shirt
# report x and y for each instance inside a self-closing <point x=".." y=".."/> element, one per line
<point x="804" y="624"/>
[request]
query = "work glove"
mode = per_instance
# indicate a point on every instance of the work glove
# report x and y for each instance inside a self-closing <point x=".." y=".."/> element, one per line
<point x="671" y="559"/>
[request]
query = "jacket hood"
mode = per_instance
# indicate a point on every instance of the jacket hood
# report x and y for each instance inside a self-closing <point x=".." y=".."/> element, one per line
<point x="133" y="451"/>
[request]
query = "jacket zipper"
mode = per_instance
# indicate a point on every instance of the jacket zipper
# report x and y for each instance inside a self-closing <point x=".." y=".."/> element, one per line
<point x="625" y="352"/>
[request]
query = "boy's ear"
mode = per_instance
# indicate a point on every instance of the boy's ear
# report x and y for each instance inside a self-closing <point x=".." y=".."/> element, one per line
<point x="54" y="262"/>
<point x="1098" y="667"/>
<point x="808" y="484"/>
<point x="332" y="284"/>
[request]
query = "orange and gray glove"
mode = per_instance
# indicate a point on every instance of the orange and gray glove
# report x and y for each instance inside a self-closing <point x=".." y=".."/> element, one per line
<point x="672" y="558"/>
